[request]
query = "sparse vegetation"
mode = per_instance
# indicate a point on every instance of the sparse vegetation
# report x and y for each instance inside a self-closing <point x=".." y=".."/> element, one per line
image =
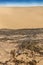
<point x="29" y="42"/>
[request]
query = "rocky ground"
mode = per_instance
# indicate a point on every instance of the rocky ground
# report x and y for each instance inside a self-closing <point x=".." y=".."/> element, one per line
<point x="21" y="47"/>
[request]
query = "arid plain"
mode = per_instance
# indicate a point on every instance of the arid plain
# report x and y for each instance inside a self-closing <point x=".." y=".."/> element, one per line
<point x="21" y="36"/>
<point x="24" y="17"/>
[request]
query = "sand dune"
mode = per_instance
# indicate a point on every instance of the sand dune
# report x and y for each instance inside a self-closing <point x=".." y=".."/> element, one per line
<point x="13" y="17"/>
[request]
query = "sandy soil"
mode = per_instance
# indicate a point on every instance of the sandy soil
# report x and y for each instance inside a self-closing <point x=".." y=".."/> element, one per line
<point x="13" y="17"/>
<point x="5" y="55"/>
<point x="16" y="18"/>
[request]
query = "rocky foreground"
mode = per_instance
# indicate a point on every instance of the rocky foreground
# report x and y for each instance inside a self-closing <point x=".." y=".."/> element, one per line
<point x="21" y="46"/>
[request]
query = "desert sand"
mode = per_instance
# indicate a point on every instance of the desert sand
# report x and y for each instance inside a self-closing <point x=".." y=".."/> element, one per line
<point x="24" y="17"/>
<point x="11" y="53"/>
<point x="19" y="47"/>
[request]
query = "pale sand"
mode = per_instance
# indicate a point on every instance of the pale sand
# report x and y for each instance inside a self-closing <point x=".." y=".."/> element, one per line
<point x="13" y="17"/>
<point x="16" y="18"/>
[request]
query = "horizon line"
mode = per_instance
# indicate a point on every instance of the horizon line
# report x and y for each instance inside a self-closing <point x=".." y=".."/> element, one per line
<point x="20" y="28"/>
<point x="20" y="4"/>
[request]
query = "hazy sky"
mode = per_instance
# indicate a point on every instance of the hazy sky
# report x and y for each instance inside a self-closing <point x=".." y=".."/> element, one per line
<point x="21" y="2"/>
<point x="30" y="17"/>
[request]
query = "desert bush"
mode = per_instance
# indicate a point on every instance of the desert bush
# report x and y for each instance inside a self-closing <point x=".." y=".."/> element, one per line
<point x="33" y="62"/>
